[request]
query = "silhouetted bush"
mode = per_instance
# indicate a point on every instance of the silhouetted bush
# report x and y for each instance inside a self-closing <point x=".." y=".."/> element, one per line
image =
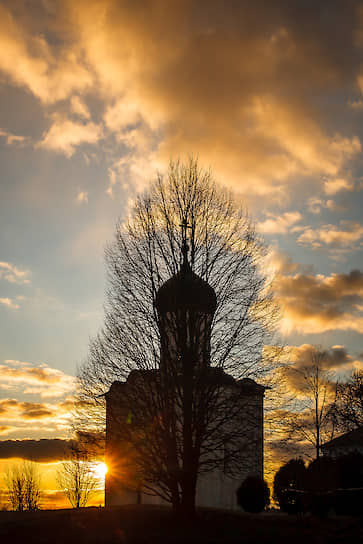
<point x="320" y="503"/>
<point x="348" y="502"/>
<point x="290" y="479"/>
<point x="253" y="495"/>
<point x="322" y="475"/>
<point x="350" y="470"/>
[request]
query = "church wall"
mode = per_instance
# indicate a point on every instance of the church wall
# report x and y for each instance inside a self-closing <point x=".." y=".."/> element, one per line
<point x="215" y="489"/>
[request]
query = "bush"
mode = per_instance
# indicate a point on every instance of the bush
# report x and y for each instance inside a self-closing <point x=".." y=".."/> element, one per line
<point x="348" y="502"/>
<point x="322" y="475"/>
<point x="293" y="501"/>
<point x="290" y="479"/>
<point x="350" y="470"/>
<point x="253" y="495"/>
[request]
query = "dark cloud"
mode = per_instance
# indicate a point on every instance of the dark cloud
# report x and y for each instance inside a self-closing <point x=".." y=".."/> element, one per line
<point x="299" y="374"/>
<point x="45" y="450"/>
<point x="304" y="356"/>
<point x="316" y="303"/>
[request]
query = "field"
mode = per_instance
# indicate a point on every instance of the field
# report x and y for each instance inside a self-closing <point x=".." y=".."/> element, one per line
<point x="147" y="525"/>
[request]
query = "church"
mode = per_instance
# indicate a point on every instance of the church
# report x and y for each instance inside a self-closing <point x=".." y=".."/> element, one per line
<point x="185" y="305"/>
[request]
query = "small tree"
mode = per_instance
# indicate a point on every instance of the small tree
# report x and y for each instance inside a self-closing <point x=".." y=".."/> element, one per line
<point x="291" y="476"/>
<point x="23" y="486"/>
<point x="312" y="423"/>
<point x="77" y="478"/>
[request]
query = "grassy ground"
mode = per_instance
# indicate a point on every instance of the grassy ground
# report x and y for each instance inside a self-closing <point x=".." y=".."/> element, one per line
<point x="148" y="525"/>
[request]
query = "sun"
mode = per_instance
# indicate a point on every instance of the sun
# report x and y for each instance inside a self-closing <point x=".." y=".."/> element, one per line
<point x="100" y="470"/>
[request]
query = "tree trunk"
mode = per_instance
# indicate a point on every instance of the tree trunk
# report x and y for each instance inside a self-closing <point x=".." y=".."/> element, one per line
<point x="187" y="509"/>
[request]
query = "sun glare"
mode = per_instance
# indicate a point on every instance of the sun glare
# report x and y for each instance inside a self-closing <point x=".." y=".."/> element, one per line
<point x="101" y="470"/>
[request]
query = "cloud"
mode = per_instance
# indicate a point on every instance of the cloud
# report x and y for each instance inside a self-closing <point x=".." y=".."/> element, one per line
<point x="6" y="301"/>
<point x="29" y="60"/>
<point x="64" y="136"/>
<point x="235" y="93"/>
<point x="332" y="236"/>
<point x="281" y="224"/>
<point x="82" y="197"/>
<point x="298" y="376"/>
<point x="316" y="204"/>
<point x="42" y="380"/>
<point x="13" y="409"/>
<point x="11" y="138"/>
<point x="12" y="274"/>
<point x="237" y="84"/>
<point x="335" y="358"/>
<point x="79" y="107"/>
<point x="27" y="419"/>
<point x="334" y="186"/>
<point x="280" y="263"/>
<point x="44" y="451"/>
<point x="4" y="429"/>
<point x="316" y="303"/>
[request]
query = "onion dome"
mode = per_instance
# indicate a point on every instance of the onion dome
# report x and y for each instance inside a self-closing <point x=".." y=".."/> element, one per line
<point x="186" y="290"/>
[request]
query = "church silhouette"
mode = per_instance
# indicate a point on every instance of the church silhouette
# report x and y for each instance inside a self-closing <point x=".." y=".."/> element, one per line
<point x="185" y="306"/>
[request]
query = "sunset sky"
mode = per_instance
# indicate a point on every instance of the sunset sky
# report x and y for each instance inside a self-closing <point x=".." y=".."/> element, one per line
<point x="97" y="95"/>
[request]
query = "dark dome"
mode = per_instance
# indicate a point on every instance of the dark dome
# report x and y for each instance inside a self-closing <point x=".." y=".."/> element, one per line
<point x="186" y="290"/>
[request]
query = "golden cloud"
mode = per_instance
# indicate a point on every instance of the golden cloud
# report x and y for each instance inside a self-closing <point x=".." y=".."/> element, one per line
<point x="30" y="61"/>
<point x="333" y="186"/>
<point x="332" y="235"/>
<point x="280" y="224"/>
<point x="43" y="380"/>
<point x="14" y="409"/>
<point x="64" y="135"/>
<point x="237" y="85"/>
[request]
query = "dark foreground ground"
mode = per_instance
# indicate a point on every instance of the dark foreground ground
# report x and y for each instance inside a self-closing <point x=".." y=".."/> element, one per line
<point x="147" y="525"/>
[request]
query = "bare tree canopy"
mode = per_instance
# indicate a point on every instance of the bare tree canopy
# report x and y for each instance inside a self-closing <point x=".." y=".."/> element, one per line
<point x="348" y="410"/>
<point x="312" y="422"/>
<point x="23" y="486"/>
<point x="76" y="477"/>
<point x="178" y="416"/>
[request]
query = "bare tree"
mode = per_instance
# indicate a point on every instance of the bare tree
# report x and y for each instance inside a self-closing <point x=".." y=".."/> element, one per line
<point x="311" y="422"/>
<point x="348" y="410"/>
<point x="23" y="486"/>
<point x="76" y="477"/>
<point x="181" y="411"/>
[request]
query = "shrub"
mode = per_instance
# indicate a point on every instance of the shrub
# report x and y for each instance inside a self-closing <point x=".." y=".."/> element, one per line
<point x="253" y="495"/>
<point x="322" y="475"/>
<point x="350" y="470"/>
<point x="348" y="502"/>
<point x="289" y="479"/>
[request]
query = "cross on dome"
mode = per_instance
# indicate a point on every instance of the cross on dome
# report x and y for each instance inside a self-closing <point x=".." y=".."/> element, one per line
<point x="185" y="248"/>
